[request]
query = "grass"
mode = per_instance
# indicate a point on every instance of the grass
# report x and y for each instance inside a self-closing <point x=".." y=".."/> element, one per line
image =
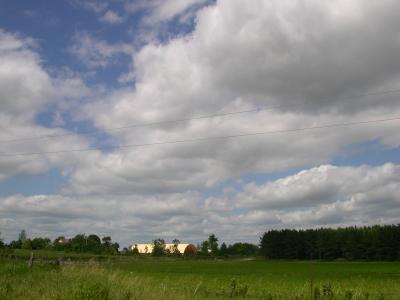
<point x="193" y="279"/>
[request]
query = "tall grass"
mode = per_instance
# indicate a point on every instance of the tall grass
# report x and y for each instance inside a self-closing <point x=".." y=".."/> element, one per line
<point x="199" y="280"/>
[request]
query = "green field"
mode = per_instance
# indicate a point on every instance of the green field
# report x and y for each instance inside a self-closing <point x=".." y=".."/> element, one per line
<point x="132" y="278"/>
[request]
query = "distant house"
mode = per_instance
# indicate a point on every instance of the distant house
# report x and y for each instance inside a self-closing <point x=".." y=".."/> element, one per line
<point x="182" y="248"/>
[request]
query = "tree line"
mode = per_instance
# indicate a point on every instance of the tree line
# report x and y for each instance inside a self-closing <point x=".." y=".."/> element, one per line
<point x="350" y="243"/>
<point x="380" y="242"/>
<point x="207" y="248"/>
<point x="93" y="244"/>
<point x="80" y="243"/>
<point x="210" y="247"/>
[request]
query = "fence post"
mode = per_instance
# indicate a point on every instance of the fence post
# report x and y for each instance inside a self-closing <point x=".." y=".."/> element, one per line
<point x="30" y="262"/>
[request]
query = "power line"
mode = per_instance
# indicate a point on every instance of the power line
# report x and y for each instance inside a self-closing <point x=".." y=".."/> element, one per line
<point x="204" y="139"/>
<point x="232" y="113"/>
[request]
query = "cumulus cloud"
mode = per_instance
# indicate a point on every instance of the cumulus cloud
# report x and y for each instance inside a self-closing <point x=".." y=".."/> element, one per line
<point x="321" y="196"/>
<point x="311" y="60"/>
<point x="324" y="184"/>
<point x="23" y="86"/>
<point x="246" y="56"/>
<point x="112" y="17"/>
<point x="161" y="11"/>
<point x="97" y="53"/>
<point x="102" y="9"/>
<point x="93" y="5"/>
<point x="26" y="89"/>
<point x="275" y="52"/>
<point x="128" y="217"/>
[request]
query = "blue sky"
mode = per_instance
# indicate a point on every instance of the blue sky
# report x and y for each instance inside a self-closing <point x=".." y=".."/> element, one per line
<point x="69" y="67"/>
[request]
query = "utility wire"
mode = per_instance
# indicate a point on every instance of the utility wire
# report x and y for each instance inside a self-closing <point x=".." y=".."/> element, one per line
<point x="203" y="139"/>
<point x="89" y="132"/>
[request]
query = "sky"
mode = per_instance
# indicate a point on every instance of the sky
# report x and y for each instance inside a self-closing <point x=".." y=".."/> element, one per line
<point x="182" y="118"/>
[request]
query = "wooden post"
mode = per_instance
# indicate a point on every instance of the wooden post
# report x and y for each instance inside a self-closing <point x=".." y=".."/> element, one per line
<point x="30" y="262"/>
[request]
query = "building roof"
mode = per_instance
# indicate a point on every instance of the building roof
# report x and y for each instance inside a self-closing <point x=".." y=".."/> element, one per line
<point x="148" y="248"/>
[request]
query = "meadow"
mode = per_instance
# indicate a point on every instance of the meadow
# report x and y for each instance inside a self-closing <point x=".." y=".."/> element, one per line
<point x="167" y="278"/>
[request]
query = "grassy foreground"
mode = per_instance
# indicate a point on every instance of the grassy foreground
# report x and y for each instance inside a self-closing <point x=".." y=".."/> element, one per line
<point x="192" y="279"/>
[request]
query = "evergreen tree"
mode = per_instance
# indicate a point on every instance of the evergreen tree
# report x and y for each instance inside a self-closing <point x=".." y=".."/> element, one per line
<point x="352" y="243"/>
<point x="213" y="244"/>
<point x="22" y="236"/>
<point x="223" y="250"/>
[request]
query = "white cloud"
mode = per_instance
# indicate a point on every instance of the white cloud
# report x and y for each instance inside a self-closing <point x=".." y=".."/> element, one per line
<point x="23" y="86"/>
<point x="160" y="11"/>
<point x="102" y="9"/>
<point x="97" y="53"/>
<point x="239" y="56"/>
<point x="321" y="185"/>
<point x="245" y="56"/>
<point x="127" y="217"/>
<point x="26" y="89"/>
<point x="321" y="196"/>
<point x="363" y="195"/>
<point x="112" y="17"/>
<point x="96" y="6"/>
<point x="273" y="50"/>
<point x="13" y="42"/>
<point x="166" y="10"/>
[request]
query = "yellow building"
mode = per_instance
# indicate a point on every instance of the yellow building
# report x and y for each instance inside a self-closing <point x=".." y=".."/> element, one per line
<point x="182" y="248"/>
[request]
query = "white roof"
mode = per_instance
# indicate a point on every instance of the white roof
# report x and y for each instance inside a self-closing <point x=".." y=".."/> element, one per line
<point x="148" y="248"/>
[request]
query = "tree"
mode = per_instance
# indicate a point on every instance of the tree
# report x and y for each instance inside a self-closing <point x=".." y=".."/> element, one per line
<point x="190" y="250"/>
<point x="158" y="247"/>
<point x="223" y="251"/>
<point x="175" y="250"/>
<point x="243" y="249"/>
<point x="213" y="244"/>
<point x="22" y="236"/>
<point x="93" y="244"/>
<point x="352" y="243"/>
<point x="78" y="243"/>
<point x="135" y="250"/>
<point x="27" y="244"/>
<point x="108" y="246"/>
<point x="15" y="244"/>
<point x="106" y="241"/>
<point x="40" y="243"/>
<point x="1" y="242"/>
<point x="204" y="248"/>
<point x="115" y="247"/>
<point x="61" y="244"/>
